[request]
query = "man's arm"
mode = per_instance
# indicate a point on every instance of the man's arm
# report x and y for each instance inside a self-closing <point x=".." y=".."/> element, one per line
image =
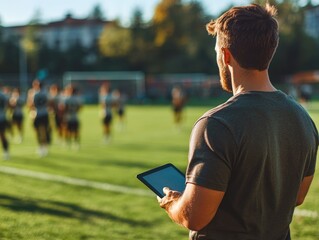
<point x="193" y="209"/>
<point x="303" y="189"/>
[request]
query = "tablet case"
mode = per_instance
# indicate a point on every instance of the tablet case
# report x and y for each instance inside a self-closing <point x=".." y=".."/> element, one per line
<point x="163" y="176"/>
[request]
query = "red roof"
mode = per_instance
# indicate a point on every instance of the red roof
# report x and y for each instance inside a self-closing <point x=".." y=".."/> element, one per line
<point x="70" y="21"/>
<point x="67" y="21"/>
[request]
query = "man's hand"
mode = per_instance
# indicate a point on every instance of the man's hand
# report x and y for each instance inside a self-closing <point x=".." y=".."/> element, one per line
<point x="194" y="208"/>
<point x="169" y="199"/>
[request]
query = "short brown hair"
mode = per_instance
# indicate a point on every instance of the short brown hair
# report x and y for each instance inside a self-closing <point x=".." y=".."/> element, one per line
<point x="250" y="33"/>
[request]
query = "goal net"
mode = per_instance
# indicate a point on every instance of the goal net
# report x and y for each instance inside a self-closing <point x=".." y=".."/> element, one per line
<point x="130" y="83"/>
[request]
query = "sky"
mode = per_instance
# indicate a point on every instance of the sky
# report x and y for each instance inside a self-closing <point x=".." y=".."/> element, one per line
<point x="20" y="12"/>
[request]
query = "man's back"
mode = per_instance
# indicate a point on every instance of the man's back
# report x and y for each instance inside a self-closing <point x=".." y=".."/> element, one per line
<point x="40" y="101"/>
<point x="72" y="106"/>
<point x="257" y="147"/>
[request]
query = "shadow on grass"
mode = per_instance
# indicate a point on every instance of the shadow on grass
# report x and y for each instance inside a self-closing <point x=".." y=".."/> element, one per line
<point x="62" y="209"/>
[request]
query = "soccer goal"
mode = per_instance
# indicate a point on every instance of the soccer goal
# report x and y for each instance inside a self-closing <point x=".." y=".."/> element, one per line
<point x="131" y="83"/>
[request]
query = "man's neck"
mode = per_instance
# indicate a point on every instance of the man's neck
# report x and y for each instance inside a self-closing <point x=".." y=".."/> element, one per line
<point x="251" y="80"/>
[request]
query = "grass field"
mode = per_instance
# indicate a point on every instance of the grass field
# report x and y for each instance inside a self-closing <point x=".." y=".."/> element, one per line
<point x="32" y="208"/>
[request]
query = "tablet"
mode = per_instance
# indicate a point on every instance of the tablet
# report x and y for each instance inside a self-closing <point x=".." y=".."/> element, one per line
<point x="164" y="176"/>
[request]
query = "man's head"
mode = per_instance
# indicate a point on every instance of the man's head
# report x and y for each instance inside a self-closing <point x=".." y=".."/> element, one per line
<point x="250" y="33"/>
<point x="37" y="85"/>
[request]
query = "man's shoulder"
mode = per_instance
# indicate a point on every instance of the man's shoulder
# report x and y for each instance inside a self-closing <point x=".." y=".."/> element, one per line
<point x="242" y="107"/>
<point x="223" y="110"/>
<point x="41" y="94"/>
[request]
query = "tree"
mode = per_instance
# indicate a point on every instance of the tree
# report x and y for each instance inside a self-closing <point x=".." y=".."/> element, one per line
<point x="30" y="42"/>
<point x="74" y="57"/>
<point x="296" y="51"/>
<point x="30" y="45"/>
<point x="141" y="48"/>
<point x="180" y="38"/>
<point x="97" y="13"/>
<point x="137" y="19"/>
<point x="10" y="61"/>
<point x="197" y="45"/>
<point x="1" y="46"/>
<point x="115" y="41"/>
<point x="166" y="21"/>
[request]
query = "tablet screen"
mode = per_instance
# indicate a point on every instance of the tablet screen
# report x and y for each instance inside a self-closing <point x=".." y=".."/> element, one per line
<point x="164" y="176"/>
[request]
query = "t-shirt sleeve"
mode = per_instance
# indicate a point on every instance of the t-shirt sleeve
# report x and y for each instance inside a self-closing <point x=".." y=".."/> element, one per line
<point x="312" y="156"/>
<point x="211" y="153"/>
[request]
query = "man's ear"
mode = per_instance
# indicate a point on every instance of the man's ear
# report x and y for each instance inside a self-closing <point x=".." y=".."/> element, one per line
<point x="226" y="56"/>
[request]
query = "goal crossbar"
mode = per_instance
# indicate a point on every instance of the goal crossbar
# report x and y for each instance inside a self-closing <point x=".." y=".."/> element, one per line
<point x="139" y="77"/>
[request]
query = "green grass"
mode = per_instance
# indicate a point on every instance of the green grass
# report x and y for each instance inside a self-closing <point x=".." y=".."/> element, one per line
<point x="37" y="209"/>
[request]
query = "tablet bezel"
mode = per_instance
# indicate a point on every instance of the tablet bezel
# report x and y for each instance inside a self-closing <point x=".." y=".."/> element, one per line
<point x="157" y="169"/>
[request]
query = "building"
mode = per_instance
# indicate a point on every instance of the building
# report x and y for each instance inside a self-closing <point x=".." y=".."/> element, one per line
<point x="312" y="21"/>
<point x="62" y="34"/>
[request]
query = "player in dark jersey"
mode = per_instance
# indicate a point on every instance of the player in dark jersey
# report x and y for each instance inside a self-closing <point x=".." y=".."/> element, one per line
<point x="106" y="102"/>
<point x="3" y="125"/>
<point x="119" y="105"/>
<point x="7" y="93"/>
<point x="16" y="103"/>
<point x="56" y="105"/>
<point x="72" y="106"/>
<point x="39" y="112"/>
<point x="178" y="102"/>
<point x="305" y="95"/>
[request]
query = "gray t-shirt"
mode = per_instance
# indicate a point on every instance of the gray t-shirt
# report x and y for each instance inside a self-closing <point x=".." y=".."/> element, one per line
<point x="257" y="148"/>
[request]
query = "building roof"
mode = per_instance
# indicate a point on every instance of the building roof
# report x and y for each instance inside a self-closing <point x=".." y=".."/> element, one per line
<point x="312" y="8"/>
<point x="67" y="21"/>
<point x="70" y="21"/>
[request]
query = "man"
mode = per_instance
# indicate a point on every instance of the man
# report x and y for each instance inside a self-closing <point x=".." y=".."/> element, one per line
<point x="38" y="103"/>
<point x="178" y="101"/>
<point x="57" y="109"/>
<point x="119" y="105"/>
<point x="107" y="103"/>
<point x="16" y="104"/>
<point x="251" y="159"/>
<point x="3" y="125"/>
<point x="72" y="107"/>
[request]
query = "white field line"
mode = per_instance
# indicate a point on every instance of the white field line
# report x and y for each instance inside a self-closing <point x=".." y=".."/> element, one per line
<point x="107" y="186"/>
<point x="306" y="213"/>
<point x="75" y="181"/>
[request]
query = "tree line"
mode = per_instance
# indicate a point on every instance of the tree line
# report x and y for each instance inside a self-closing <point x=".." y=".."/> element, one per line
<point x="173" y="41"/>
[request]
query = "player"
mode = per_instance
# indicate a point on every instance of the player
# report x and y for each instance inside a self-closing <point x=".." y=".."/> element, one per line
<point x="16" y="104"/>
<point x="305" y="94"/>
<point x="56" y="106"/>
<point x="7" y="93"/>
<point x="106" y="102"/>
<point x="72" y="106"/>
<point x="119" y="105"/>
<point x="178" y="101"/>
<point x="3" y="125"/>
<point x="38" y="102"/>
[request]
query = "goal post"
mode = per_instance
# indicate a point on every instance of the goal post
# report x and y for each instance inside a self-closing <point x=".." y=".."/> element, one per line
<point x="132" y="83"/>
